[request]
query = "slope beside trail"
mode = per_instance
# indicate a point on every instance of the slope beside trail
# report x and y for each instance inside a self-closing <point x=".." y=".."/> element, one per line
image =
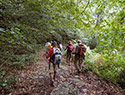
<point x="34" y="80"/>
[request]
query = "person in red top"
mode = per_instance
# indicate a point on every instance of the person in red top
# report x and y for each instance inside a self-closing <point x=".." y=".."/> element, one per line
<point x="69" y="49"/>
<point x="79" y="56"/>
<point x="50" y="55"/>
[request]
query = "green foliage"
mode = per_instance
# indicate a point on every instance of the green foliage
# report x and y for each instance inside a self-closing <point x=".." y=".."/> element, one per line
<point x="107" y="66"/>
<point x="5" y="81"/>
<point x="99" y="23"/>
<point x="107" y="60"/>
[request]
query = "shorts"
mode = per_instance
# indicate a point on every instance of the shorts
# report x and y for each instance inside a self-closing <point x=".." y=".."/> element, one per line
<point x="79" y="57"/>
<point x="69" y="52"/>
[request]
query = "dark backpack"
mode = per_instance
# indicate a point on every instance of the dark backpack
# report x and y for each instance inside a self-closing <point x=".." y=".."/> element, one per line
<point x="82" y="50"/>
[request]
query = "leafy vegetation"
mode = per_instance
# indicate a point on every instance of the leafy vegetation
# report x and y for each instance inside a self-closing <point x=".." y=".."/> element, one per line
<point x="26" y="24"/>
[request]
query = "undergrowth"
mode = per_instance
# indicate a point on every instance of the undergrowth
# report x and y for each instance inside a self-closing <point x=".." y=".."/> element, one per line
<point x="110" y="67"/>
<point x="11" y="64"/>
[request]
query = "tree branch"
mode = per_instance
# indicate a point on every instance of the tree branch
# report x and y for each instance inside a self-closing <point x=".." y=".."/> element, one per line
<point x="84" y="9"/>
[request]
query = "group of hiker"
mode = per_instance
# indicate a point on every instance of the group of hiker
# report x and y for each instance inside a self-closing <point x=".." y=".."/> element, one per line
<point x="54" y="54"/>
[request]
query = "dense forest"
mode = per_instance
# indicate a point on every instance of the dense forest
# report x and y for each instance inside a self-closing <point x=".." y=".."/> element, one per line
<point x="26" y="25"/>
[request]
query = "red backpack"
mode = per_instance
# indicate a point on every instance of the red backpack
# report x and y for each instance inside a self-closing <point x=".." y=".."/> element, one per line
<point x="82" y="50"/>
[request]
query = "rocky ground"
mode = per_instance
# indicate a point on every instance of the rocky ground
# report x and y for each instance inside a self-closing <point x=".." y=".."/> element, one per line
<point x="34" y="80"/>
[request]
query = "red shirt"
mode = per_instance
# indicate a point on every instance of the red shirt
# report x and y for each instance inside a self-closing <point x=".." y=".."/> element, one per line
<point x="70" y="44"/>
<point x="49" y="55"/>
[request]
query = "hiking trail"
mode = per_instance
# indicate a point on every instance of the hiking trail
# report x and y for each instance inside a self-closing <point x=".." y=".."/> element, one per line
<point x="34" y="80"/>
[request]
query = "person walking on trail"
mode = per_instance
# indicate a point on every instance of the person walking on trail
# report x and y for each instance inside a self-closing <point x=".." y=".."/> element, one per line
<point x="53" y="41"/>
<point x="54" y="56"/>
<point x="48" y="46"/>
<point x="79" y="56"/>
<point x="60" y="45"/>
<point x="69" y="49"/>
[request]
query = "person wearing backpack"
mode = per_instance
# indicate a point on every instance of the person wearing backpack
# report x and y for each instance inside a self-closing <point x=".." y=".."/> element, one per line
<point x="60" y="45"/>
<point x="54" y="56"/>
<point x="79" y="56"/>
<point x="48" y="46"/>
<point x="69" y="49"/>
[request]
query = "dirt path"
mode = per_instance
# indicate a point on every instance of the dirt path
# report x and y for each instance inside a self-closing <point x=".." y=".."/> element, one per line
<point x="34" y="80"/>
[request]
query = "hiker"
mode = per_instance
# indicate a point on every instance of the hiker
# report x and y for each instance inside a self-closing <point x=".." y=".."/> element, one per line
<point x="69" y="49"/>
<point x="48" y="46"/>
<point x="53" y="42"/>
<point x="79" y="56"/>
<point x="60" y="45"/>
<point x="55" y="58"/>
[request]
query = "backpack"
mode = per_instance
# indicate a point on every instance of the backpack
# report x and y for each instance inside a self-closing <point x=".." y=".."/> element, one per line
<point x="56" y="57"/>
<point x="70" y="47"/>
<point x="82" y="50"/>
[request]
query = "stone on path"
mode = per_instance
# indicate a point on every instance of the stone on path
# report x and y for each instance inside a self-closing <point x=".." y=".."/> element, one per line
<point x="70" y="86"/>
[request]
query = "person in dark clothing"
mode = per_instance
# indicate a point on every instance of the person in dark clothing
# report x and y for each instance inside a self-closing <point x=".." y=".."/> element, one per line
<point x="60" y="45"/>
<point x="79" y="56"/>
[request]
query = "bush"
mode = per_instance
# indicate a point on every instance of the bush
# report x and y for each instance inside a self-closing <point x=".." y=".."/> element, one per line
<point x="110" y="67"/>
